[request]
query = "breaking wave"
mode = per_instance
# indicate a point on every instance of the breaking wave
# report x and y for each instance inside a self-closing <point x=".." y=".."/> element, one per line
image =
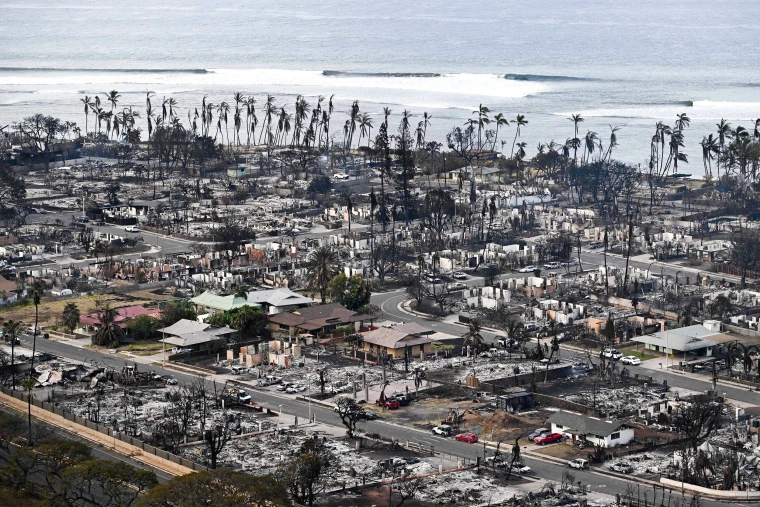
<point x="121" y="71"/>
<point x="339" y="73"/>
<point x="541" y="77"/>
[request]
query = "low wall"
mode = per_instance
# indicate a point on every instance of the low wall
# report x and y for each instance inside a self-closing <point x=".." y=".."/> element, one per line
<point x="101" y="434"/>
<point x="750" y="333"/>
<point x="726" y="495"/>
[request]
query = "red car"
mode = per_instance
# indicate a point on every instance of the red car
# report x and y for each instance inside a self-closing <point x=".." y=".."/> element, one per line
<point x="548" y="439"/>
<point x="389" y="404"/>
<point x="467" y="437"/>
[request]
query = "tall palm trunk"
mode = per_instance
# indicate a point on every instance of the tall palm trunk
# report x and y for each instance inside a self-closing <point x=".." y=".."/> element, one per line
<point x="31" y="366"/>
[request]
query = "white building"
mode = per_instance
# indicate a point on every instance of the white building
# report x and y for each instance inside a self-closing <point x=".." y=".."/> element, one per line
<point x="581" y="427"/>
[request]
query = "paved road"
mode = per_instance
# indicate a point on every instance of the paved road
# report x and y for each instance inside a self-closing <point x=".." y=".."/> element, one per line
<point x="388" y="303"/>
<point x="552" y="471"/>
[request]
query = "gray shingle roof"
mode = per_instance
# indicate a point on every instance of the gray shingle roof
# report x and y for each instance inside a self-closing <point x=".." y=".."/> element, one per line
<point x="584" y="424"/>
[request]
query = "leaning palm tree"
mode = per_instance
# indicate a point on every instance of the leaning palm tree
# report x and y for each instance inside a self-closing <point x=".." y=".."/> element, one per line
<point x="109" y="330"/>
<point x="482" y="121"/>
<point x="11" y="330"/>
<point x="500" y="120"/>
<point x="473" y="337"/>
<point x="321" y="269"/>
<point x="520" y="121"/>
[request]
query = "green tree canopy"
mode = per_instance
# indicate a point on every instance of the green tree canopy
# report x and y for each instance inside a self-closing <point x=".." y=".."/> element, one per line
<point x="143" y="326"/>
<point x="218" y="488"/>
<point x="352" y="292"/>
<point x="177" y="311"/>
<point x="248" y="320"/>
<point x="70" y="316"/>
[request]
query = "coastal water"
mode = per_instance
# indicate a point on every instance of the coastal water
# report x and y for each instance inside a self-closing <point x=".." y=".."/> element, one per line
<point x="626" y="64"/>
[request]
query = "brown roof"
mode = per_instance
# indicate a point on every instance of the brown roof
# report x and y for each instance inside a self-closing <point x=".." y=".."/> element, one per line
<point x="317" y="317"/>
<point x="400" y="335"/>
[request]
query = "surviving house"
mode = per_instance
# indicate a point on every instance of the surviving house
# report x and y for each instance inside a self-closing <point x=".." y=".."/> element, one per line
<point x="582" y="428"/>
<point x="91" y="322"/>
<point x="684" y="340"/>
<point x="278" y="300"/>
<point x="317" y="319"/>
<point x="209" y="303"/>
<point x="195" y="336"/>
<point x="399" y="340"/>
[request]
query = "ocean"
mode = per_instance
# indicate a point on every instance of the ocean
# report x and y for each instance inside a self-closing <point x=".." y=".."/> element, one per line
<point x="625" y="64"/>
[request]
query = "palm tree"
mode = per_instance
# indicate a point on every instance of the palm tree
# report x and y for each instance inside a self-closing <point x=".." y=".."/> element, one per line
<point x="86" y="102"/>
<point x="613" y="142"/>
<point x="520" y="121"/>
<point x="576" y="119"/>
<point x="724" y="133"/>
<point x="113" y="97"/>
<point x="353" y="115"/>
<point x="321" y="269"/>
<point x="499" y="120"/>
<point x="70" y="316"/>
<point x="682" y="122"/>
<point x="11" y="331"/>
<point x="482" y="120"/>
<point x="589" y="144"/>
<point x="37" y="290"/>
<point x="365" y="127"/>
<point x="709" y="148"/>
<point x="109" y="330"/>
<point x="473" y="337"/>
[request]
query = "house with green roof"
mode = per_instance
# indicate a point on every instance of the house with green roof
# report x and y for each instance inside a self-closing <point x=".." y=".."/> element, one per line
<point x="210" y="303"/>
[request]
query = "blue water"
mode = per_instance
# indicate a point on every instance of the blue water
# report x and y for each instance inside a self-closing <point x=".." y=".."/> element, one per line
<point x="626" y="64"/>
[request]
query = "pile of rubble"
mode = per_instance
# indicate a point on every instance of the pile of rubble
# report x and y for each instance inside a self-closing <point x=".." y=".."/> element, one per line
<point x="618" y="401"/>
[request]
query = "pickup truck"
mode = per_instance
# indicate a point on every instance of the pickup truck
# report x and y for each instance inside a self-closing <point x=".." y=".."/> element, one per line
<point x="234" y="396"/>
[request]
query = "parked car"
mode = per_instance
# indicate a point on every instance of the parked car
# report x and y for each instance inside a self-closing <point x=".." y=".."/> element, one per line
<point x="552" y="265"/>
<point x="579" y="463"/>
<point x="538" y="433"/>
<point x="459" y="276"/>
<point x="521" y="469"/>
<point x="457" y="286"/>
<point x="612" y="354"/>
<point x="370" y="415"/>
<point x="401" y="398"/>
<point x="497" y="461"/>
<point x="132" y="228"/>
<point x="548" y="439"/>
<point x="389" y="403"/>
<point x="630" y="360"/>
<point x="467" y="437"/>
<point x="444" y="430"/>
<point x="83" y="219"/>
<point x="623" y="468"/>
<point x="340" y="176"/>
<point x="31" y="330"/>
<point x="528" y="269"/>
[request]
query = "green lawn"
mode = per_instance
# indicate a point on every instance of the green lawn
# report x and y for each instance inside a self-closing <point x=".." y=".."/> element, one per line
<point x="143" y="347"/>
<point x="641" y="354"/>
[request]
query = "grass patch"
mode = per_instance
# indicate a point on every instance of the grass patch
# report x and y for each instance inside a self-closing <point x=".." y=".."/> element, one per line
<point x="638" y="353"/>
<point x="143" y="347"/>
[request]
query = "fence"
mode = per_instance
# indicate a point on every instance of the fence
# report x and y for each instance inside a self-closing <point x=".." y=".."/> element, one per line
<point x="101" y="428"/>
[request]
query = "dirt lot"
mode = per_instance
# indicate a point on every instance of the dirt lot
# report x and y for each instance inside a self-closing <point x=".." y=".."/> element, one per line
<point x="51" y="310"/>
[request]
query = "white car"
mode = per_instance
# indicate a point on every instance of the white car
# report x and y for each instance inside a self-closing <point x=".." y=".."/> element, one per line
<point x="132" y="228"/>
<point x="457" y="286"/>
<point x="521" y="469"/>
<point x="612" y="354"/>
<point x="633" y="360"/>
<point x="444" y="430"/>
<point x="552" y="265"/>
<point x="528" y="269"/>
<point x="341" y="176"/>
<point x="460" y="276"/>
<point x="579" y="463"/>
